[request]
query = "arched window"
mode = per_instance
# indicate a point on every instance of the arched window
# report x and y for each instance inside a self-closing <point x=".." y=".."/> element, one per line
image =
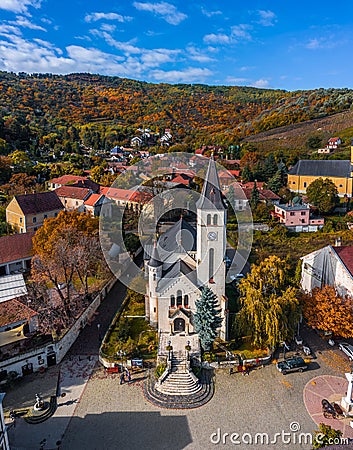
<point x="179" y="298"/>
<point x="172" y="301"/>
<point x="211" y="265"/>
<point x="215" y="219"/>
<point x="208" y="219"/>
<point x="186" y="301"/>
<point x="154" y="277"/>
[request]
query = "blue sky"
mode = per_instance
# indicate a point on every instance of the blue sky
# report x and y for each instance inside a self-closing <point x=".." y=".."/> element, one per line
<point x="267" y="44"/>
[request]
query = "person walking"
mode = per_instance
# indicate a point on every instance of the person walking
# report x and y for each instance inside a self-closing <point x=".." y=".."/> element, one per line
<point x="122" y="378"/>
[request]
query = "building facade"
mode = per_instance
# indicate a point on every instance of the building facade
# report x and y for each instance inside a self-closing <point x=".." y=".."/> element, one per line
<point x="340" y="172"/>
<point x="184" y="260"/>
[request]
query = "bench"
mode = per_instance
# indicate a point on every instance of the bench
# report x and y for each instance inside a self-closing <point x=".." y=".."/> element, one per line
<point x="112" y="370"/>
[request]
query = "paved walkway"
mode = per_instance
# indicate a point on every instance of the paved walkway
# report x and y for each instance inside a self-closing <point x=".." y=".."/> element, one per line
<point x="74" y="374"/>
<point x="333" y="389"/>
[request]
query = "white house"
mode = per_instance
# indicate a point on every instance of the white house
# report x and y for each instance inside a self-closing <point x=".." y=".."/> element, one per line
<point x="331" y="265"/>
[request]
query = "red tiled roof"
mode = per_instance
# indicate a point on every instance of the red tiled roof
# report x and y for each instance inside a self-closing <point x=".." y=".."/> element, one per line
<point x="181" y="179"/>
<point x="92" y="199"/>
<point x="16" y="246"/>
<point x="66" y="179"/>
<point x="13" y="311"/>
<point x="334" y="139"/>
<point x="250" y="184"/>
<point x="264" y="194"/>
<point x="39" y="203"/>
<point x="126" y="194"/>
<point x="235" y="173"/>
<point x="345" y="253"/>
<point x="72" y="192"/>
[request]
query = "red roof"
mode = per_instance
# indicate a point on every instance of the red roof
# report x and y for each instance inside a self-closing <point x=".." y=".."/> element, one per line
<point x="126" y="195"/>
<point x="92" y="199"/>
<point x="72" y="192"/>
<point x="235" y="173"/>
<point x="264" y="194"/>
<point x="15" y="247"/>
<point x="13" y="311"/>
<point x="67" y="179"/>
<point x="250" y="184"/>
<point x="183" y="179"/>
<point x="345" y="254"/>
<point x="334" y="139"/>
<point x="39" y="203"/>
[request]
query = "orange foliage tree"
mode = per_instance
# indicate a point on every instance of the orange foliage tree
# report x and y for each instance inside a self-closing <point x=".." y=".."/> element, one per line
<point x="67" y="253"/>
<point x="325" y="310"/>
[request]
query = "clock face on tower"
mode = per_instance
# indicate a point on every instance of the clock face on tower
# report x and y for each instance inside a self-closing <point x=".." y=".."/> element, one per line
<point x="212" y="236"/>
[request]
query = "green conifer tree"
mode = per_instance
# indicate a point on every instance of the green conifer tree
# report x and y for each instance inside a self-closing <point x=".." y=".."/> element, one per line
<point x="207" y="318"/>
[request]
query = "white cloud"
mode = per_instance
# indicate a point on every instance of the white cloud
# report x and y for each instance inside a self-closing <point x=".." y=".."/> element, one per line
<point x="19" y="6"/>
<point x="235" y="80"/>
<point x="326" y="42"/>
<point x="107" y="27"/>
<point x="217" y="39"/>
<point x="241" y="32"/>
<point x="22" y="21"/>
<point x="93" y="17"/>
<point x="267" y="18"/>
<point x="198" y="55"/>
<point x="188" y="75"/>
<point x="262" y="83"/>
<point x="207" y="13"/>
<point x="167" y="11"/>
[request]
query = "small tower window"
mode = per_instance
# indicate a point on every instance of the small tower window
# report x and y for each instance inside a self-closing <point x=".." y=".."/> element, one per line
<point x="179" y="298"/>
<point x="211" y="265"/>
<point x="154" y="277"/>
<point x="172" y="301"/>
<point x="186" y="301"/>
<point x="215" y="219"/>
<point x="208" y="219"/>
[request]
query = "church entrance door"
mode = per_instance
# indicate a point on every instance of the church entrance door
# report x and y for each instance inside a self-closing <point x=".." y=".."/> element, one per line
<point x="179" y="325"/>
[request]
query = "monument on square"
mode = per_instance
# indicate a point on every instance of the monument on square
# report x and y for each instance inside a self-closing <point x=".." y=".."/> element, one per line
<point x="346" y="402"/>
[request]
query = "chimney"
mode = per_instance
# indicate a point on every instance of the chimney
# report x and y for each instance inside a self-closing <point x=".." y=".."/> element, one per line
<point x="338" y="242"/>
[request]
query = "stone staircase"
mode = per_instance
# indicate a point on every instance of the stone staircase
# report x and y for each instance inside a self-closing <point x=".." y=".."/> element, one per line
<point x="180" y="388"/>
<point x="180" y="380"/>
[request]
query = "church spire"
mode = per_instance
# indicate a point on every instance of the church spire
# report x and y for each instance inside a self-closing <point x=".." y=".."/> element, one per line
<point x="211" y="192"/>
<point x="155" y="260"/>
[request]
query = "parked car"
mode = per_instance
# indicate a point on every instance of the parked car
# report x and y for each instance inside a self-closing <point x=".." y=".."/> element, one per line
<point x="296" y="364"/>
<point x="347" y="349"/>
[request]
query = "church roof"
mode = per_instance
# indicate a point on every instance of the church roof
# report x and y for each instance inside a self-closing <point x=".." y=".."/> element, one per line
<point x="322" y="168"/>
<point x="180" y="238"/>
<point x="211" y="192"/>
<point x="175" y="271"/>
<point x="155" y="260"/>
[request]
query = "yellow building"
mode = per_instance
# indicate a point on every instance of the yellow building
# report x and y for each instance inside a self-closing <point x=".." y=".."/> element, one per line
<point x="340" y="172"/>
<point x="27" y="212"/>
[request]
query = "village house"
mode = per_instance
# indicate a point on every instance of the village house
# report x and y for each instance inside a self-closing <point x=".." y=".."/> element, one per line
<point x="329" y="266"/>
<point x="297" y="217"/>
<point x="93" y="205"/>
<point x="72" y="197"/>
<point x="27" y="212"/>
<point x="340" y="172"/>
<point x="73" y="181"/>
<point x="16" y="253"/>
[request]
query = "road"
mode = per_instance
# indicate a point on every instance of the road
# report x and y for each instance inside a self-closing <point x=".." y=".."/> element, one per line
<point x="88" y="342"/>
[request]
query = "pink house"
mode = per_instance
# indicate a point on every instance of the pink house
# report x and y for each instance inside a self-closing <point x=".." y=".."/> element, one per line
<point x="297" y="218"/>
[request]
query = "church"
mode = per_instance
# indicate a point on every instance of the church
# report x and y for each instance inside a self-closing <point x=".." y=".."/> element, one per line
<point x="183" y="260"/>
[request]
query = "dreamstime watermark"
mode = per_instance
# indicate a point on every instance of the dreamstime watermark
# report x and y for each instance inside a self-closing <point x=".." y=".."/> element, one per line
<point x="146" y="189"/>
<point x="290" y="437"/>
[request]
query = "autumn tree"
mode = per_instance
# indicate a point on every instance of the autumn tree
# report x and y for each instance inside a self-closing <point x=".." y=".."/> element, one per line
<point x="323" y="194"/>
<point x="325" y="310"/>
<point x="326" y="436"/>
<point x="269" y="307"/>
<point x="67" y="253"/>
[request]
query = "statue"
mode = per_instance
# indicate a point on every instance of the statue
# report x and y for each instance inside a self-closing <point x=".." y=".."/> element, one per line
<point x="39" y="404"/>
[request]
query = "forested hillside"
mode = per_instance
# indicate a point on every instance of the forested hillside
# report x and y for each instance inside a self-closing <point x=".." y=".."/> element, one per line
<point x="45" y="111"/>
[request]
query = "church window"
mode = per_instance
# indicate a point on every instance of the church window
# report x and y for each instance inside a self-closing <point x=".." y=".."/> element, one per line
<point x="154" y="277"/>
<point x="215" y="219"/>
<point x="172" y="301"/>
<point x="179" y="298"/>
<point x="186" y="301"/>
<point x="211" y="264"/>
<point x="208" y="219"/>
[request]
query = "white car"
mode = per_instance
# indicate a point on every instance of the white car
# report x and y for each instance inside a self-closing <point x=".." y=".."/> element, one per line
<point x="347" y="349"/>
